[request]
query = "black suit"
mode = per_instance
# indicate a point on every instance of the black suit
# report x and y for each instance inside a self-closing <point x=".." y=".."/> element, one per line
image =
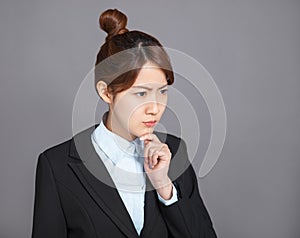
<point x="73" y="198"/>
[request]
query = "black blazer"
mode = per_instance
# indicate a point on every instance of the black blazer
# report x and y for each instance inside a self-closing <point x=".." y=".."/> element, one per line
<point x="74" y="199"/>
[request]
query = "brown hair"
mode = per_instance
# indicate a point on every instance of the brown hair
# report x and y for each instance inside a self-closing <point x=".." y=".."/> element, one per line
<point x="124" y="53"/>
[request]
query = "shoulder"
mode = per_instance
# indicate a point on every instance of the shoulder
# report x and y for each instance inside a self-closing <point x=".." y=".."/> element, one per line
<point x="57" y="149"/>
<point x="59" y="155"/>
<point x="55" y="159"/>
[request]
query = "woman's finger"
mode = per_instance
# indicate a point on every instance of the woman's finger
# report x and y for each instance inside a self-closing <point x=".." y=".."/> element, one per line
<point x="149" y="137"/>
<point x="151" y="156"/>
<point x="154" y="158"/>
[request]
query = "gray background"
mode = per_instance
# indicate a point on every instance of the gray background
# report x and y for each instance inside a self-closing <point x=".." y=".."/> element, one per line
<point x="251" y="49"/>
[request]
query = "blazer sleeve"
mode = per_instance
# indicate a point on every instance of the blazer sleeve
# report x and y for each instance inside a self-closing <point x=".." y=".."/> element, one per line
<point x="188" y="216"/>
<point x="48" y="217"/>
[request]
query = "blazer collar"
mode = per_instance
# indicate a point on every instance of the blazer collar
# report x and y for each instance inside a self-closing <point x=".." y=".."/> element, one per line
<point x="94" y="176"/>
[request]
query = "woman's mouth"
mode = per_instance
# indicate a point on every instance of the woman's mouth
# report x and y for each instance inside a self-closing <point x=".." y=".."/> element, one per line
<point x="149" y="123"/>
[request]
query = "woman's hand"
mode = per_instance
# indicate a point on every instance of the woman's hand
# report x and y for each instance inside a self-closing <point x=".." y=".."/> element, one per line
<point x="157" y="157"/>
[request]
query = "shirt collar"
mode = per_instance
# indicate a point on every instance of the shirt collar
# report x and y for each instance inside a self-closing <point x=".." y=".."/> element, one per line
<point x="115" y="146"/>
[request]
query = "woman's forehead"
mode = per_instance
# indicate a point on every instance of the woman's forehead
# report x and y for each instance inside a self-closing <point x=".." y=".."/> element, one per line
<point x="150" y="74"/>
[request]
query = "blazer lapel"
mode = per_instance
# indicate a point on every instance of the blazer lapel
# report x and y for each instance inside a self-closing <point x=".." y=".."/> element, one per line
<point x="150" y="211"/>
<point x="94" y="176"/>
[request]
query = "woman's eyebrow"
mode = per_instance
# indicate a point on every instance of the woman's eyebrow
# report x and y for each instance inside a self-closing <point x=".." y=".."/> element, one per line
<point x="148" y="88"/>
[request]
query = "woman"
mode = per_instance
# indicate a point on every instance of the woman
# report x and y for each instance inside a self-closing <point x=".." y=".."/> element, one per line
<point x="120" y="178"/>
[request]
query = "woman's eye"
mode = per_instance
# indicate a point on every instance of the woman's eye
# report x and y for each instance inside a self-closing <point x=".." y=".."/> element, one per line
<point x="164" y="91"/>
<point x="140" y="94"/>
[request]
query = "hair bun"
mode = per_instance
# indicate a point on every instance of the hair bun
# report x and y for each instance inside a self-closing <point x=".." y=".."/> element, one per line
<point x="113" y="22"/>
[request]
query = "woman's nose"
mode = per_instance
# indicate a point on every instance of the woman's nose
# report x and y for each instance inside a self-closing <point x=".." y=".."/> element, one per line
<point x="152" y="107"/>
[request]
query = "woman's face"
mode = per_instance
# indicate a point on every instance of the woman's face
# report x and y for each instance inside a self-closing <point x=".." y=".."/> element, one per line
<point x="135" y="111"/>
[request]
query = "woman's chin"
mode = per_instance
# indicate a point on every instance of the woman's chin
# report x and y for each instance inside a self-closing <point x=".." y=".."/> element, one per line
<point x="144" y="131"/>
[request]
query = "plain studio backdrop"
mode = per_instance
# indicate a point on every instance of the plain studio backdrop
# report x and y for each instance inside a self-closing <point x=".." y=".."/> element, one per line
<point x="250" y="48"/>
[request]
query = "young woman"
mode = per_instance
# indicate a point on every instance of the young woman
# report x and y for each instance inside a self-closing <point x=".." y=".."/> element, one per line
<point x="120" y="178"/>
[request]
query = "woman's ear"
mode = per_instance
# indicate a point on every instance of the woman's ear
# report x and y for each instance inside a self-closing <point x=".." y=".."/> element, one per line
<point x="103" y="92"/>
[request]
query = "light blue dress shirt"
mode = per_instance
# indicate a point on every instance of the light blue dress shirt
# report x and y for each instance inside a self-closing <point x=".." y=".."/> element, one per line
<point x="124" y="161"/>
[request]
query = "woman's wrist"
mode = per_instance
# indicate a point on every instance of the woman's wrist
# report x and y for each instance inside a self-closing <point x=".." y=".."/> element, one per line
<point x="165" y="190"/>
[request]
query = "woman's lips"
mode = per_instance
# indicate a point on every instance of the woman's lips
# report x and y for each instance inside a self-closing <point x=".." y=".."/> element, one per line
<point x="150" y="123"/>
